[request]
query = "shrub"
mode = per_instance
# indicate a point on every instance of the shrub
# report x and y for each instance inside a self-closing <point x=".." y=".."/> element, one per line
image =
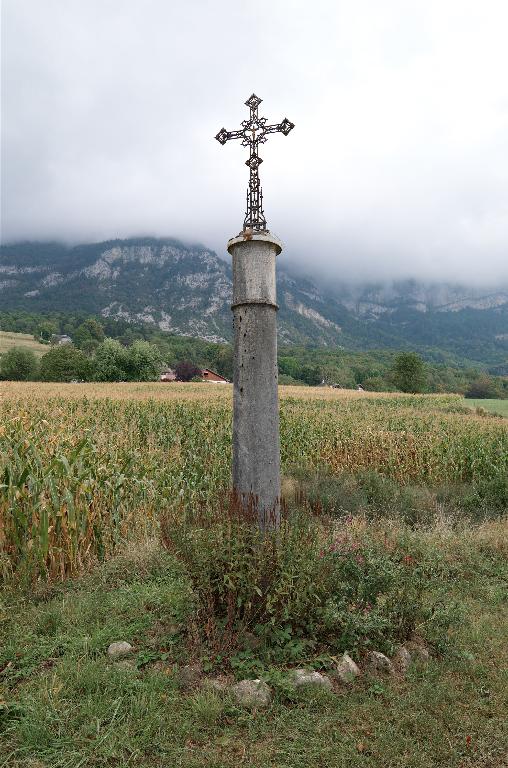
<point x="484" y="387"/>
<point x="376" y="384"/>
<point x="18" y="364"/>
<point x="377" y="497"/>
<point x="488" y="498"/>
<point x="243" y="578"/>
<point x="309" y="586"/>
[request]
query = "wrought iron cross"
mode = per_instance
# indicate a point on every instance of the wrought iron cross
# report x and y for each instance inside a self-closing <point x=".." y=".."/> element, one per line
<point x="253" y="132"/>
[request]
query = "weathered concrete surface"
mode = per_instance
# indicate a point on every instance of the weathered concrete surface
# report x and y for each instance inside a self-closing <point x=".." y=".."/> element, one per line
<point x="256" y="447"/>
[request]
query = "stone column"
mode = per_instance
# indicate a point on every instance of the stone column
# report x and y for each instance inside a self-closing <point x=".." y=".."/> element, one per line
<point x="256" y="445"/>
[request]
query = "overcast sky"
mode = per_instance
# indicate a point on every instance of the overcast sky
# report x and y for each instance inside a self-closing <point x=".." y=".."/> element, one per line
<point x="397" y="166"/>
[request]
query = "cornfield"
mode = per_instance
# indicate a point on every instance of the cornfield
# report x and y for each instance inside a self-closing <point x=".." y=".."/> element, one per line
<point x="83" y="467"/>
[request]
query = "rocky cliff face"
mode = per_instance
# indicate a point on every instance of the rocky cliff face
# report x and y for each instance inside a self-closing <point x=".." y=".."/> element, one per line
<point x="181" y="289"/>
<point x="379" y="299"/>
<point x="187" y="290"/>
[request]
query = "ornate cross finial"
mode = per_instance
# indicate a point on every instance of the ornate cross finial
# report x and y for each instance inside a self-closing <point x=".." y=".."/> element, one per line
<point x="254" y="131"/>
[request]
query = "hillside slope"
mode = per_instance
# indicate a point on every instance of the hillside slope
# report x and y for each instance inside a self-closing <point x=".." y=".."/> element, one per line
<point x="187" y="290"/>
<point x="9" y="340"/>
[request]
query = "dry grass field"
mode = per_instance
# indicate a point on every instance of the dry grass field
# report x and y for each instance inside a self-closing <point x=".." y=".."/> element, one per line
<point x="193" y="392"/>
<point x="8" y="340"/>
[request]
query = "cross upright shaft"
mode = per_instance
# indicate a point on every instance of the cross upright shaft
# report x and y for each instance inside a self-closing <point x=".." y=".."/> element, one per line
<point x="253" y="132"/>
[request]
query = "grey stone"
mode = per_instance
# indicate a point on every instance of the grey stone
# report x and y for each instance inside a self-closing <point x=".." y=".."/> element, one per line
<point x="346" y="670"/>
<point x="401" y="659"/>
<point x="378" y="662"/>
<point x="302" y="678"/>
<point x="252" y="693"/>
<point x="418" y="650"/>
<point x="189" y="676"/>
<point x="256" y="447"/>
<point x="119" y="650"/>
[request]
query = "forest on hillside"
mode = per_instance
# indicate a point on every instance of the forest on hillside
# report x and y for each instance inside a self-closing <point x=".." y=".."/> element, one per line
<point x="105" y="349"/>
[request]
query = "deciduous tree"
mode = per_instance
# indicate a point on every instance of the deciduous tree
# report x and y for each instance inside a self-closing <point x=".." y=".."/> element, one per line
<point x="409" y="372"/>
<point x="185" y="371"/>
<point x="18" y="364"/>
<point x="65" y="363"/>
<point x="144" y="362"/>
<point x="110" y="361"/>
<point x="484" y="387"/>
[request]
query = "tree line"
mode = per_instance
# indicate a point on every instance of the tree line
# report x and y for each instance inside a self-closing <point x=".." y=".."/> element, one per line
<point x="105" y="349"/>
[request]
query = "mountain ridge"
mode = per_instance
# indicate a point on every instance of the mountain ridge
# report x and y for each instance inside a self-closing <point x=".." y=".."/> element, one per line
<point x="186" y="289"/>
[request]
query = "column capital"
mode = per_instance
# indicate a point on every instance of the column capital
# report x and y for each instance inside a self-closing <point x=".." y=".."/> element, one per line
<point x="249" y="237"/>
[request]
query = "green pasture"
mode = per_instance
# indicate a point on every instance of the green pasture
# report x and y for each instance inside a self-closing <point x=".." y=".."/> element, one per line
<point x="492" y="405"/>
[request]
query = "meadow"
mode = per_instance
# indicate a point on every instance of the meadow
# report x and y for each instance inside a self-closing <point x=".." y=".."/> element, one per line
<point x="493" y="405"/>
<point x="89" y="471"/>
<point x="9" y="340"/>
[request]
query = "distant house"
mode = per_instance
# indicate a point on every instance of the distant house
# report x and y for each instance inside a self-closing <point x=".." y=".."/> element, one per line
<point x="216" y="378"/>
<point x="168" y="374"/>
<point x="58" y="340"/>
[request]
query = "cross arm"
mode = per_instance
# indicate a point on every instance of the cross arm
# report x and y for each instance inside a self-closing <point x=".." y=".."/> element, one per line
<point x="224" y="135"/>
<point x="283" y="127"/>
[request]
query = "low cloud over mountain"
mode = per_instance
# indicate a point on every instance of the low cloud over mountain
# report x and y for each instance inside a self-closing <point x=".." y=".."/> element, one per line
<point x="187" y="290"/>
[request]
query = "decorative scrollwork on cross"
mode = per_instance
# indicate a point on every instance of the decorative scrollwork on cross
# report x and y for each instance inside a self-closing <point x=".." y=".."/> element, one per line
<point x="253" y="132"/>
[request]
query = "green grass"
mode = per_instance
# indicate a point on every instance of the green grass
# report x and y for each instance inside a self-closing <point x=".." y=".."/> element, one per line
<point x="493" y="405"/>
<point x="66" y="705"/>
<point x="8" y="340"/>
